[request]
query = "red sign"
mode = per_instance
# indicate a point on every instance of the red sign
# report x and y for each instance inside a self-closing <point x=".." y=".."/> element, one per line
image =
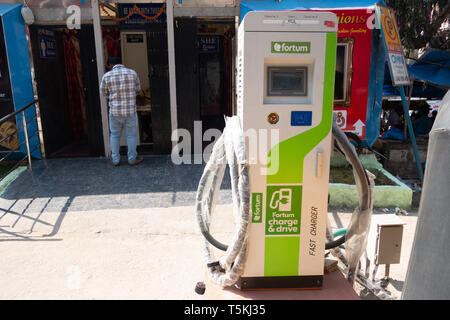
<point x="355" y="33"/>
<point x="356" y="25"/>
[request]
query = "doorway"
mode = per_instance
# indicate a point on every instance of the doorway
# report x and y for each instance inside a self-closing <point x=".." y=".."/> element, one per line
<point x="214" y="45"/>
<point x="67" y="86"/>
<point x="144" y="50"/>
<point x="203" y="58"/>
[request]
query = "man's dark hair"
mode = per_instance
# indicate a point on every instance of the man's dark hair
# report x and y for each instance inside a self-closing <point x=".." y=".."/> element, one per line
<point x="114" y="60"/>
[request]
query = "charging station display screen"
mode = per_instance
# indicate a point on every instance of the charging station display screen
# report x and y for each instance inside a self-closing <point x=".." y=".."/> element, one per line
<point x="287" y="81"/>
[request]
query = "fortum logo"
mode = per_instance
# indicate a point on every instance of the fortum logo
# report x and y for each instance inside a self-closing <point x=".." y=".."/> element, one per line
<point x="290" y="47"/>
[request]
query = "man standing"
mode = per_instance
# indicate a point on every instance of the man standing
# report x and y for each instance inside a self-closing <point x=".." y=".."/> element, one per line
<point x="120" y="86"/>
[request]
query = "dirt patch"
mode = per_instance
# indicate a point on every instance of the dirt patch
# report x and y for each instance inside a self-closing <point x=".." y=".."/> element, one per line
<point x="345" y="175"/>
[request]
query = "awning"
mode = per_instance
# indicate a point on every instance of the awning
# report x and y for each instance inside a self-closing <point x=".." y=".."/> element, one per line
<point x="433" y="68"/>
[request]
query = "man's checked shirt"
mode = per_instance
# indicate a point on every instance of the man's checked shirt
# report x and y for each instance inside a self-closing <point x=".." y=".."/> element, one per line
<point x="120" y="86"/>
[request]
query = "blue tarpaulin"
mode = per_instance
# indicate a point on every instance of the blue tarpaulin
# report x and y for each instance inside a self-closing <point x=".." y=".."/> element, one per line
<point x="432" y="75"/>
<point x="433" y="67"/>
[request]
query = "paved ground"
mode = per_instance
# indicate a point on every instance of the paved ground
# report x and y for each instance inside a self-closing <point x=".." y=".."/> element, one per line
<point x="89" y="184"/>
<point x="81" y="229"/>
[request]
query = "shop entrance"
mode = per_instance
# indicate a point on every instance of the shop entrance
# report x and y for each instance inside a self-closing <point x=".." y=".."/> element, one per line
<point x="203" y="59"/>
<point x="203" y="56"/>
<point x="145" y="51"/>
<point x="214" y="46"/>
<point x="67" y="84"/>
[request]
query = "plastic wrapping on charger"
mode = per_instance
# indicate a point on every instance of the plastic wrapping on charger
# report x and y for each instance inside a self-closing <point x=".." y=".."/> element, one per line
<point x="228" y="150"/>
<point x="356" y="236"/>
<point x="357" y="232"/>
<point x="358" y="229"/>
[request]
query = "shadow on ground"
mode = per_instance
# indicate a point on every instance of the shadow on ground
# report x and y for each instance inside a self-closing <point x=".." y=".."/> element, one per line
<point x="90" y="184"/>
<point x="93" y="184"/>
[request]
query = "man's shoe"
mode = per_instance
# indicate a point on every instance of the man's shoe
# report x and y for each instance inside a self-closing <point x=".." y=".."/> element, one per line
<point x="112" y="163"/>
<point x="137" y="161"/>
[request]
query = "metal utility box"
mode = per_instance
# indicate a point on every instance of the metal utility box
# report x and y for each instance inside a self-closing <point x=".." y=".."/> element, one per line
<point x="385" y="239"/>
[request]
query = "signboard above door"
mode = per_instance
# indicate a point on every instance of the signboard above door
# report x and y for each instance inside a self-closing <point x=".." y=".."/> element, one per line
<point x="136" y="20"/>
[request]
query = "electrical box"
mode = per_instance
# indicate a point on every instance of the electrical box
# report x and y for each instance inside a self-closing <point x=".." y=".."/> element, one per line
<point x="285" y="88"/>
<point x="385" y="239"/>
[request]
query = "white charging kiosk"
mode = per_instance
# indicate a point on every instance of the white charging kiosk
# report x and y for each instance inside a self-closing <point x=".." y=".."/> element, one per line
<point x="285" y="89"/>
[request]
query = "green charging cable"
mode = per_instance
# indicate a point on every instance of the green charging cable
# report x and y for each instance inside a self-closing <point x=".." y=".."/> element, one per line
<point x="339" y="232"/>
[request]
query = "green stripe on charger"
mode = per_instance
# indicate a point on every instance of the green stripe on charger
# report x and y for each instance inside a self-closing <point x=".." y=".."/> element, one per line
<point x="281" y="256"/>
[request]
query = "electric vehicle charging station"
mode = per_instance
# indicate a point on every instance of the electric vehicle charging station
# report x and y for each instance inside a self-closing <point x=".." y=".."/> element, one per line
<point x="286" y="69"/>
<point x="285" y="86"/>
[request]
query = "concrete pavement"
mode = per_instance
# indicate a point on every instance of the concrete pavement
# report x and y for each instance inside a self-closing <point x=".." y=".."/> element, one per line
<point x="80" y="229"/>
<point x="105" y="254"/>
